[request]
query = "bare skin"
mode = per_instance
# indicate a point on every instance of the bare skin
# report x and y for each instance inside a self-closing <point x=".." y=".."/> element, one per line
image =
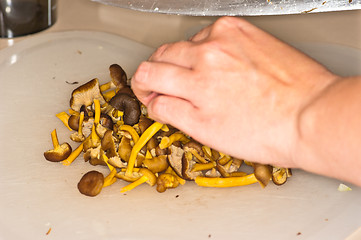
<point x="241" y="91"/>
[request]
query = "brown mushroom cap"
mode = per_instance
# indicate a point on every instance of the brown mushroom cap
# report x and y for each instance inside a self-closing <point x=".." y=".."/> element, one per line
<point x="156" y="164"/>
<point x="127" y="104"/>
<point x="73" y="122"/>
<point x="263" y="173"/>
<point x="106" y="121"/>
<point x="91" y="183"/>
<point x="144" y="123"/>
<point x="58" y="154"/>
<point x="108" y="144"/>
<point x="118" y="76"/>
<point x="152" y="179"/>
<point x="124" y="149"/>
<point x="194" y="145"/>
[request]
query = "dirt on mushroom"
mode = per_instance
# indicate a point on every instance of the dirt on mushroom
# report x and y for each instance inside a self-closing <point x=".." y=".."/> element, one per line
<point x="115" y="134"/>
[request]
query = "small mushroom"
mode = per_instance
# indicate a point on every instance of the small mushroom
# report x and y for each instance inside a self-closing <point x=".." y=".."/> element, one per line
<point x="175" y="137"/>
<point x="196" y="149"/>
<point x="127" y="104"/>
<point x="144" y="123"/>
<point x="230" y="168"/>
<point x="146" y="176"/>
<point x="78" y="136"/>
<point x="60" y="151"/>
<point x="74" y="154"/>
<point x="187" y="165"/>
<point x="92" y="141"/>
<point x="117" y="162"/>
<point x="73" y="122"/>
<point x="92" y="154"/>
<point x="85" y="95"/>
<point x="263" y="173"/>
<point x="132" y="178"/>
<point x="166" y="181"/>
<point x="280" y="175"/>
<point x="91" y="183"/>
<point x="124" y="149"/>
<point x="133" y="133"/>
<point x="106" y="121"/>
<point x="175" y="159"/>
<point x="156" y="164"/>
<point x="108" y="144"/>
<point x="118" y="76"/>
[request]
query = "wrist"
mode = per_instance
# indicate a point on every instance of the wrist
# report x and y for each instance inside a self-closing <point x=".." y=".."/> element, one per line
<point x="329" y="130"/>
<point x="312" y="114"/>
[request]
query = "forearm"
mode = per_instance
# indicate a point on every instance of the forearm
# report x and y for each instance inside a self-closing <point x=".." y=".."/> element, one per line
<point x="330" y="132"/>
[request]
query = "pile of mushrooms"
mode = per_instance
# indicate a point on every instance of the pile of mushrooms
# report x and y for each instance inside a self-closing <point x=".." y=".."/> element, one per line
<point x="114" y="132"/>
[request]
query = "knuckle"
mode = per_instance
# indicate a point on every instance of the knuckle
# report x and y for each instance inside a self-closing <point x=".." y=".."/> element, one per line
<point x="159" y="52"/>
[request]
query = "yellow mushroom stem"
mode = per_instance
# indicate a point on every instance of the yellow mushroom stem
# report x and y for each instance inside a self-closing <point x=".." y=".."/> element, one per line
<point x="237" y="174"/>
<point x="134" y="184"/>
<point x="106" y="86"/>
<point x="148" y="155"/>
<point x="64" y="117"/>
<point x="143" y="139"/>
<point x="135" y="176"/>
<point x="110" y="179"/>
<point x="225" y="159"/>
<point x="73" y="155"/>
<point x="97" y="111"/>
<point x="109" y="95"/>
<point x="131" y="131"/>
<point x="228" y="165"/>
<point x="54" y="139"/>
<point x="226" y="182"/>
<point x="106" y="160"/>
<point x="165" y="128"/>
<point x="146" y="176"/>
<point x="81" y="119"/>
<point x="72" y="112"/>
<point x="175" y="137"/>
<point x="94" y="134"/>
<point x="199" y="157"/>
<point x="203" y="166"/>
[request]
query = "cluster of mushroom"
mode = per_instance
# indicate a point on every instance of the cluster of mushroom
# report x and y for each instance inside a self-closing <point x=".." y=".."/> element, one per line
<point x="113" y="131"/>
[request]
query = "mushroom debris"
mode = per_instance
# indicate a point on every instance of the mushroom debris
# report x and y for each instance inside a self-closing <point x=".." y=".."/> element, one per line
<point x="113" y="131"/>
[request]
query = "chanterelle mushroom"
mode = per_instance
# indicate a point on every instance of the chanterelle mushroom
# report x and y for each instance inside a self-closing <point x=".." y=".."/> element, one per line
<point x="146" y="176"/>
<point x="175" y="159"/>
<point x="118" y="75"/>
<point x="91" y="183"/>
<point x="129" y="105"/>
<point x="60" y="152"/>
<point x="85" y="95"/>
<point x="165" y="181"/>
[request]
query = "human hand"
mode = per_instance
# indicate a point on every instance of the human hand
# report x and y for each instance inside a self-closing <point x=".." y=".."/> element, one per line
<point x="233" y="87"/>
